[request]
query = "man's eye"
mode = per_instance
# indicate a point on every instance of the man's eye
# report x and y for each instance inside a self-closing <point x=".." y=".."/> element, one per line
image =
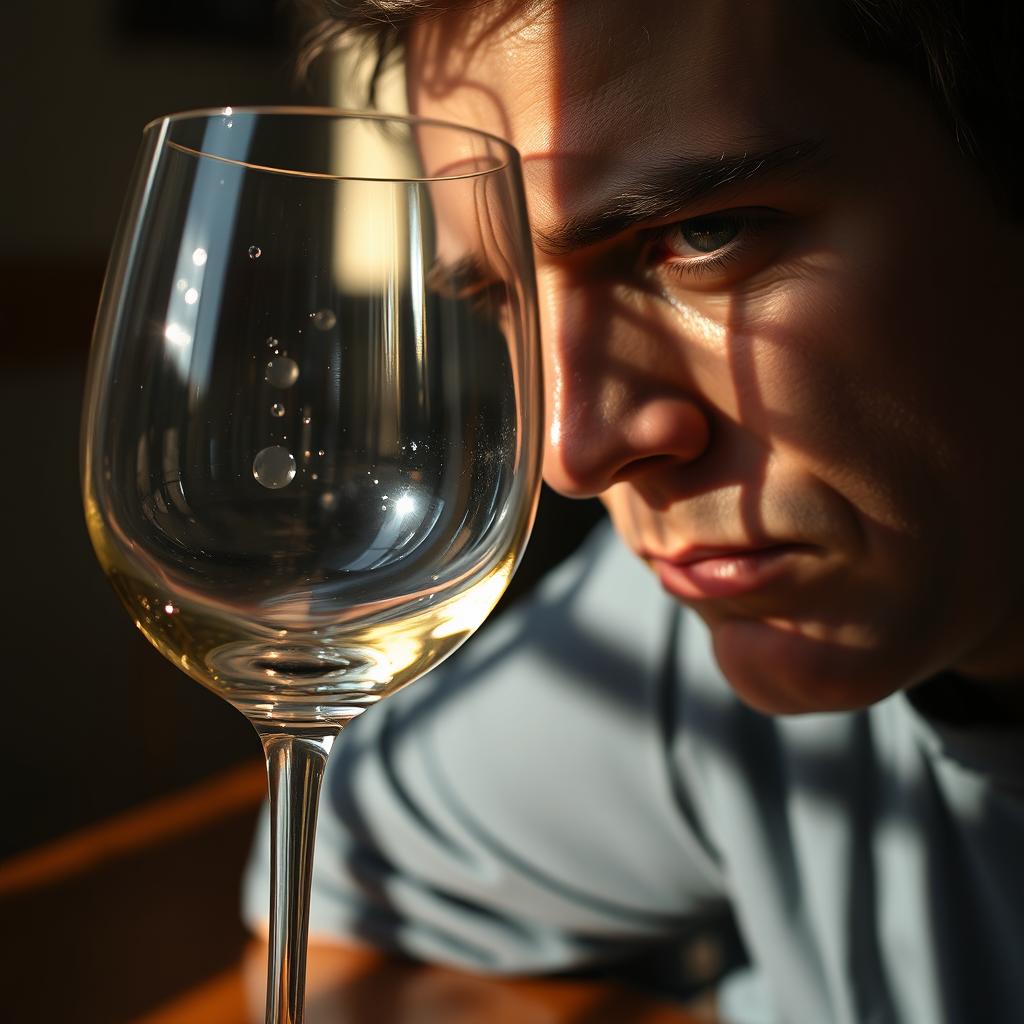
<point x="703" y="235"/>
<point x="717" y="250"/>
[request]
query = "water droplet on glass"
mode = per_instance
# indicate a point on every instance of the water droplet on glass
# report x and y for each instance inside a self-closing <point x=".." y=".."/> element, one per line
<point x="169" y="608"/>
<point x="383" y="508"/>
<point x="282" y="372"/>
<point x="314" y="476"/>
<point x="321" y="452"/>
<point x="272" y="342"/>
<point x="413" y="446"/>
<point x="198" y="257"/>
<point x="277" y="409"/>
<point x="324" y="319"/>
<point x="228" y="123"/>
<point x="306" y="420"/>
<point x="375" y="480"/>
<point x="274" y="467"/>
<point x="255" y="252"/>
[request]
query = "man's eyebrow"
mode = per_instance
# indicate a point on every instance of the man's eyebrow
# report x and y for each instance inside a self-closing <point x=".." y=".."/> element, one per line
<point x="670" y="188"/>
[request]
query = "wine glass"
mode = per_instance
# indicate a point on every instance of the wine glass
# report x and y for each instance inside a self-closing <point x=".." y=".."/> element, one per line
<point x="311" y="433"/>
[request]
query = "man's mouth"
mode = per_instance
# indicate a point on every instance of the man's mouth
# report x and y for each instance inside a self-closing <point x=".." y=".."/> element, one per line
<point x="705" y="573"/>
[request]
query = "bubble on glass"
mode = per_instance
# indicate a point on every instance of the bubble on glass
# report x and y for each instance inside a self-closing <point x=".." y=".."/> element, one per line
<point x="192" y="296"/>
<point x="277" y="409"/>
<point x="274" y="467"/>
<point x="199" y="257"/>
<point x="321" y="453"/>
<point x="255" y="252"/>
<point x="306" y="420"/>
<point x="413" y="445"/>
<point x="169" y="608"/>
<point x="324" y="319"/>
<point x="273" y="343"/>
<point x="282" y="372"/>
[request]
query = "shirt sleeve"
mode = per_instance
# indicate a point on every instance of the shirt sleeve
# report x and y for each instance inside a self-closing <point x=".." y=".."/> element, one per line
<point x="517" y="810"/>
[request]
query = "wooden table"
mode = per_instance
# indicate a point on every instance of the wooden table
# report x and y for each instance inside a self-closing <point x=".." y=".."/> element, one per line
<point x="349" y="986"/>
<point x="135" y="919"/>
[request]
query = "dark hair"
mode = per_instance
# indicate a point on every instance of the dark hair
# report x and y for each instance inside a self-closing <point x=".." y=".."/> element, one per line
<point x="965" y="53"/>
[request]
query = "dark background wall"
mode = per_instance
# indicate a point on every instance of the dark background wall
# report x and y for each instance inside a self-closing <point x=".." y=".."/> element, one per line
<point x="96" y="721"/>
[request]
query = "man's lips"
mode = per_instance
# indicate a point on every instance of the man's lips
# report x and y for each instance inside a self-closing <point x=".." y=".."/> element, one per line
<point x="701" y="573"/>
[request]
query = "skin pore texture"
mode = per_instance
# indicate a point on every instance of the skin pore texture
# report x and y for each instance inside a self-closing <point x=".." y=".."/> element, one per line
<point x="779" y="315"/>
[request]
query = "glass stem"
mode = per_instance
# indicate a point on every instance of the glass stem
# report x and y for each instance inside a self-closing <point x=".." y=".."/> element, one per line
<point x="296" y="758"/>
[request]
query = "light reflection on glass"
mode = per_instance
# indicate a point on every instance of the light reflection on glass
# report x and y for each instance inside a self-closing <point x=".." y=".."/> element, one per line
<point x="177" y="336"/>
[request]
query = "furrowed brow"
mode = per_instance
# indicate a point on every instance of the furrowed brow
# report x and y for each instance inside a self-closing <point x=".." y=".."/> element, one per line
<point x="669" y="189"/>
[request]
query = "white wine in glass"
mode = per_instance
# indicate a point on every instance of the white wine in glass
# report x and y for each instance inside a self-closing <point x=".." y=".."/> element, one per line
<point x="312" y="427"/>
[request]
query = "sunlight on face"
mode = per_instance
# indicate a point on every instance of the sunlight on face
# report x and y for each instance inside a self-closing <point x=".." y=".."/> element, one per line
<point x="760" y="352"/>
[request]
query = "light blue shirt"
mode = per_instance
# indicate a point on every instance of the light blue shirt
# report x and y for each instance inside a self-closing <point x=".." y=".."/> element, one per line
<point x="580" y="784"/>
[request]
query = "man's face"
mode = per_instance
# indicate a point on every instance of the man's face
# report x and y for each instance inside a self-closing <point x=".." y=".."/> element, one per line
<point x="780" y="331"/>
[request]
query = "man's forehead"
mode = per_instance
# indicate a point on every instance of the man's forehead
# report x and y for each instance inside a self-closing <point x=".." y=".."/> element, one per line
<point x="587" y="90"/>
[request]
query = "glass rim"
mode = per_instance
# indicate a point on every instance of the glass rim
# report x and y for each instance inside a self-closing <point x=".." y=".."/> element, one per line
<point x="339" y="114"/>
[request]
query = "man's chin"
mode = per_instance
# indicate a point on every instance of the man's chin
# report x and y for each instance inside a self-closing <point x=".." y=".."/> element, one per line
<point x="780" y="671"/>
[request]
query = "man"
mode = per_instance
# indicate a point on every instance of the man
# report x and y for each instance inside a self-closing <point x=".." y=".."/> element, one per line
<point x="779" y="275"/>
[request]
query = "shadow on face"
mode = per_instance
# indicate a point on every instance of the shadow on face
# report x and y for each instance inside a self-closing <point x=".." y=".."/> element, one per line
<point x="760" y="353"/>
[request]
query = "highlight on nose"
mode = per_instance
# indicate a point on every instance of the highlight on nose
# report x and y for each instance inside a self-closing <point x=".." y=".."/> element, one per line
<point x="591" y="446"/>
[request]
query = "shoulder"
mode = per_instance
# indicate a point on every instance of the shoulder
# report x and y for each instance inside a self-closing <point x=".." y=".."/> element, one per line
<point x="600" y="613"/>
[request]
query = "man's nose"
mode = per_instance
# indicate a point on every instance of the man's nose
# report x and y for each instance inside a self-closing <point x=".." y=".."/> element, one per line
<point x="617" y="407"/>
